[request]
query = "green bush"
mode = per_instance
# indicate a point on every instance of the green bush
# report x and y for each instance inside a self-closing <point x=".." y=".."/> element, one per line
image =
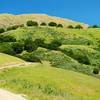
<point x="7" y="38"/>
<point x="6" y="48"/>
<point x="2" y="30"/>
<point x="70" y="26"/>
<point x="78" y="27"/>
<point x="43" y="24"/>
<point x="29" y="45"/>
<point x="60" y="25"/>
<point x="18" y="47"/>
<point x="96" y="71"/>
<point x="13" y="27"/>
<point x="54" y="45"/>
<point x="31" y="23"/>
<point x="52" y="24"/>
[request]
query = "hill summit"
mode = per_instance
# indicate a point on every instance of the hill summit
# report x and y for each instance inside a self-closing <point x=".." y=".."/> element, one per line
<point x="9" y="20"/>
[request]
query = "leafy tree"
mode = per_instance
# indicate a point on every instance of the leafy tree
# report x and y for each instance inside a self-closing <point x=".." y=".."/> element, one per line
<point x="43" y="24"/>
<point x="96" y="71"/>
<point x="95" y="26"/>
<point x="32" y="23"/>
<point x="39" y="42"/>
<point x="78" y="27"/>
<point x="18" y="47"/>
<point x="52" y="24"/>
<point x="12" y="27"/>
<point x="70" y="26"/>
<point x="60" y="25"/>
<point x="7" y="38"/>
<point x="29" y="45"/>
<point x="2" y="30"/>
<point x="54" y="45"/>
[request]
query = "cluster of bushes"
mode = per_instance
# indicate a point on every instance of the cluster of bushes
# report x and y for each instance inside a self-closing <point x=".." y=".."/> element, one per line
<point x="2" y="30"/>
<point x="6" y="38"/>
<point x="94" y="26"/>
<point x="34" y="23"/>
<point x="29" y="45"/>
<point x="76" y="27"/>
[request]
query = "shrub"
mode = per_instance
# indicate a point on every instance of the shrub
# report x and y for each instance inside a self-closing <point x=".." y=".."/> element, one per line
<point x="60" y="25"/>
<point x="39" y="42"/>
<point x="52" y="24"/>
<point x="70" y="26"/>
<point x="2" y="30"/>
<point x="29" y="45"/>
<point x="18" y="47"/>
<point x="13" y="27"/>
<point x="32" y="23"/>
<point x="7" y="38"/>
<point x="96" y="71"/>
<point x="78" y="27"/>
<point x="54" y="45"/>
<point x="95" y="26"/>
<point x="43" y="24"/>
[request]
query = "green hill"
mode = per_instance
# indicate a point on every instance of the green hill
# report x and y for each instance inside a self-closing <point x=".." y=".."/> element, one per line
<point x="79" y="50"/>
<point x="44" y="82"/>
<point x="6" y="60"/>
<point x="9" y="20"/>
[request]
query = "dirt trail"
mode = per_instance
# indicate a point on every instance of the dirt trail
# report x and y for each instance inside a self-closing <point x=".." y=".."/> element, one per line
<point x="6" y="95"/>
<point x="16" y="65"/>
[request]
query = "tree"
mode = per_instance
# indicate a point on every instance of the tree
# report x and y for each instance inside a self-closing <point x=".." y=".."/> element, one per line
<point x="18" y="47"/>
<point x="2" y="30"/>
<point x="54" y="45"/>
<point x="95" y="26"/>
<point x="70" y="26"/>
<point x="60" y="25"/>
<point x="29" y="45"/>
<point x="31" y="23"/>
<point x="7" y="38"/>
<point x="78" y="27"/>
<point x="52" y="24"/>
<point x="96" y="71"/>
<point x="43" y="24"/>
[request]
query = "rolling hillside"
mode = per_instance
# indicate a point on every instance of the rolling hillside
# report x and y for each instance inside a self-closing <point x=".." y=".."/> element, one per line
<point x="67" y="61"/>
<point x="9" y="20"/>
<point x="43" y="82"/>
<point x="6" y="60"/>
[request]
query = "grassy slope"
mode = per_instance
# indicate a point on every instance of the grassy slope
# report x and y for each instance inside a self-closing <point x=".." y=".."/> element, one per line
<point x="74" y="37"/>
<point x="47" y="83"/>
<point x="8" y="19"/>
<point x="7" y="60"/>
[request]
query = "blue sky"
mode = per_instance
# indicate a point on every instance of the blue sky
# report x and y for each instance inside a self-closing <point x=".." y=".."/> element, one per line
<point x="87" y="11"/>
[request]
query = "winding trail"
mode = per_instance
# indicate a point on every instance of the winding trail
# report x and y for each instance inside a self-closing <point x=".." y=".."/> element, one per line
<point x="25" y="64"/>
<point x="6" y="95"/>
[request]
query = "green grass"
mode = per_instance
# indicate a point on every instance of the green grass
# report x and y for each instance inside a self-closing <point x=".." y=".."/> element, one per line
<point x="9" y="60"/>
<point x="43" y="82"/>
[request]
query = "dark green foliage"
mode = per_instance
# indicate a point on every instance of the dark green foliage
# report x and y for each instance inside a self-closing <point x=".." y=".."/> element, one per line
<point x="2" y="30"/>
<point x="70" y="26"/>
<point x="43" y="24"/>
<point x="78" y="27"/>
<point x="7" y="38"/>
<point x="94" y="26"/>
<point x="29" y="45"/>
<point x="96" y="71"/>
<point x="54" y="45"/>
<point x="60" y="25"/>
<point x="13" y="27"/>
<point x="18" y="47"/>
<point x="52" y="24"/>
<point x="31" y="23"/>
<point x="39" y="42"/>
<point x="6" y="48"/>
